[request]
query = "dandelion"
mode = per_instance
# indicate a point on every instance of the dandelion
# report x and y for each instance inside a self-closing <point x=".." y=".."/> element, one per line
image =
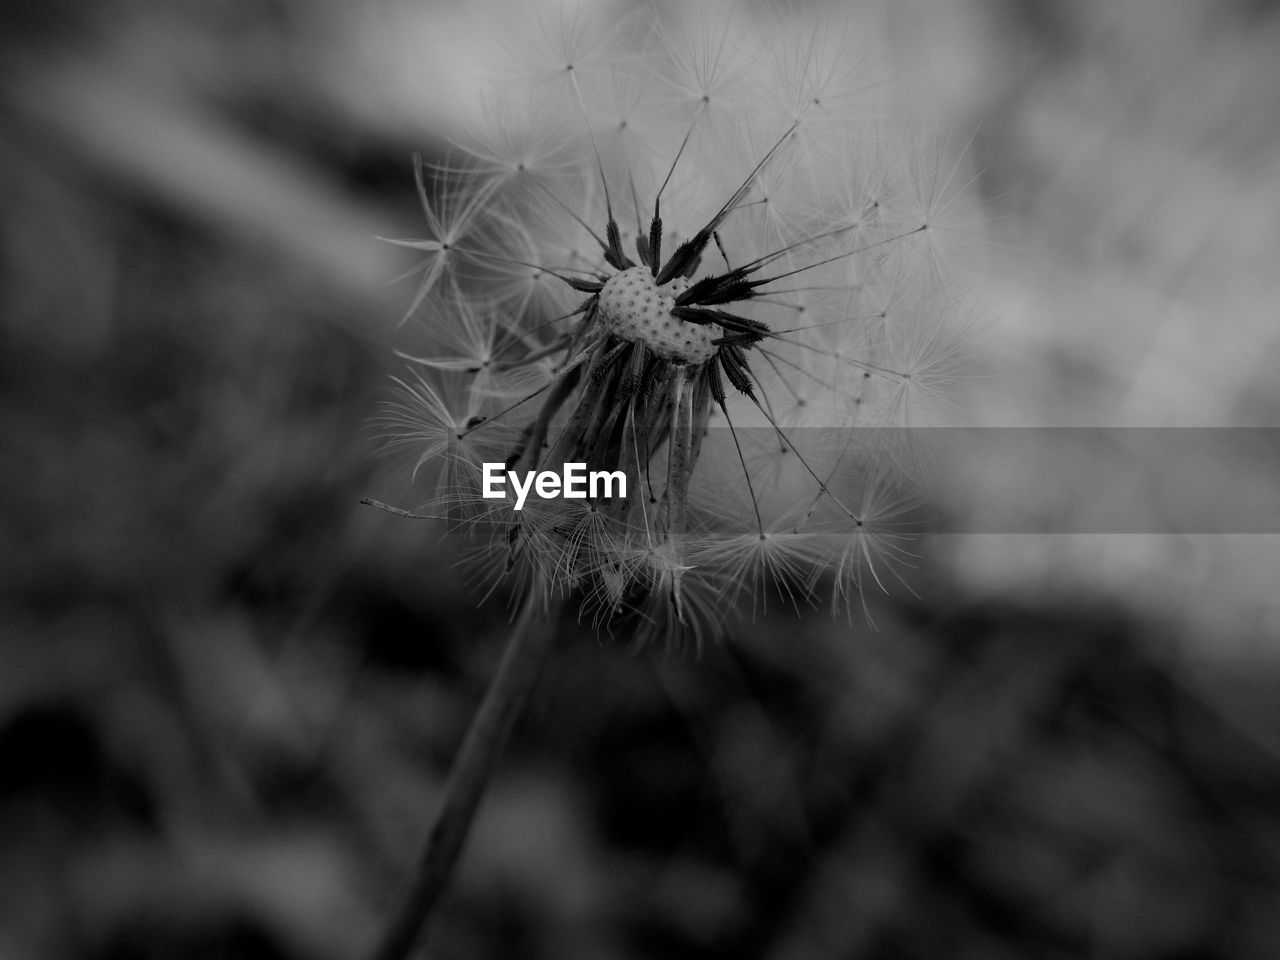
<point x="680" y="248"/>
<point x="684" y="227"/>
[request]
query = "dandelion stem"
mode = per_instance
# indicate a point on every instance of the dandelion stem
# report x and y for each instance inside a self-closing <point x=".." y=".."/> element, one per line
<point x="503" y="702"/>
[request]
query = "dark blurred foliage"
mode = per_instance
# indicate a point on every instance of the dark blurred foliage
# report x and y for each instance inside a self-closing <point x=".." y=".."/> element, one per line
<point x="228" y="694"/>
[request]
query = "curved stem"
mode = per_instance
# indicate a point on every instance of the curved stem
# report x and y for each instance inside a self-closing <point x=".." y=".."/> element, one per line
<point x="503" y="703"/>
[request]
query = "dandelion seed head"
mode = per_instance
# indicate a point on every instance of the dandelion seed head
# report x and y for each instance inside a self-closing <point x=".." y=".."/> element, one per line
<point x="677" y="245"/>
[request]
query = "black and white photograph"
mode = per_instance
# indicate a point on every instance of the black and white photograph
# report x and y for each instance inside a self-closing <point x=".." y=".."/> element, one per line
<point x="637" y="479"/>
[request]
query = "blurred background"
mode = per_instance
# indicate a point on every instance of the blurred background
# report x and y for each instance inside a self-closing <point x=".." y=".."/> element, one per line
<point x="229" y="694"/>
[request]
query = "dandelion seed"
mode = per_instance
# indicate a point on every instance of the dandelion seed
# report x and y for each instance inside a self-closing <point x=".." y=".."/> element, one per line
<point x="678" y="246"/>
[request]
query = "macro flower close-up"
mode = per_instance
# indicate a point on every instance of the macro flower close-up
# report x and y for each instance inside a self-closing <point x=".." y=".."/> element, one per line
<point x="639" y="479"/>
<point x="692" y="253"/>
